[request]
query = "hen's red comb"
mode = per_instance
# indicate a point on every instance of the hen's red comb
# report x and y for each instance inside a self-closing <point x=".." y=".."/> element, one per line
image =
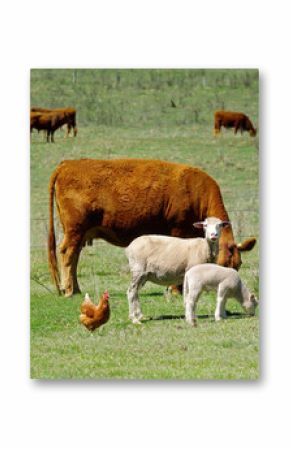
<point x="106" y="295"/>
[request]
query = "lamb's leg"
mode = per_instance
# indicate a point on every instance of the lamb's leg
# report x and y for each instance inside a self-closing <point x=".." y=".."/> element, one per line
<point x="135" y="313"/>
<point x="220" y="312"/>
<point x="191" y="295"/>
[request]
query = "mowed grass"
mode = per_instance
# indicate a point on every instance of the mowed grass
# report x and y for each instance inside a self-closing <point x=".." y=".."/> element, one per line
<point x="163" y="347"/>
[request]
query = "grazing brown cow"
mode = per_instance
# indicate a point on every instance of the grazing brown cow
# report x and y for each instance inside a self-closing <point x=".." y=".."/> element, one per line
<point x="119" y="200"/>
<point x="47" y="121"/>
<point x="70" y="114"/>
<point x="236" y="120"/>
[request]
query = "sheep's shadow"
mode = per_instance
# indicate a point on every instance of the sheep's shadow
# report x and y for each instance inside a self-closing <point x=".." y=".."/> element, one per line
<point x="234" y="315"/>
<point x="153" y="294"/>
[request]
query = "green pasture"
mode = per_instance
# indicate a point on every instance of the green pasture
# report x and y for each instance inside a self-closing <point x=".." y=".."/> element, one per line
<point x="128" y="113"/>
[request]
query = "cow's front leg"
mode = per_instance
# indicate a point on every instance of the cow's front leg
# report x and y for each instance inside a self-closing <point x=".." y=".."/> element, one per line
<point x="68" y="129"/>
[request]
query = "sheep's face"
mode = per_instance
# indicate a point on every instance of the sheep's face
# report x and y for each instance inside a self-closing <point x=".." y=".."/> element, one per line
<point x="212" y="227"/>
<point x="250" y="304"/>
<point x="229" y="251"/>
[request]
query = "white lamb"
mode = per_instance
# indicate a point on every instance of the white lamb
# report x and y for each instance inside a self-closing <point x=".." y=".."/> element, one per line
<point x="226" y="281"/>
<point x="164" y="260"/>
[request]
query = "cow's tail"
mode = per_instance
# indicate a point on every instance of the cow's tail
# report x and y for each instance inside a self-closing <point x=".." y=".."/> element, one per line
<point x="52" y="259"/>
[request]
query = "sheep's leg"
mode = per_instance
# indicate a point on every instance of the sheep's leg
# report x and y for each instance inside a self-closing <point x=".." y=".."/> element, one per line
<point x="135" y="313"/>
<point x="191" y="296"/>
<point x="220" y="312"/>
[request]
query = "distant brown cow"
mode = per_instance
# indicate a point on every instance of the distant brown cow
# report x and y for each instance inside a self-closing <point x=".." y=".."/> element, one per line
<point x="236" y="120"/>
<point x="70" y="113"/>
<point x="47" y="121"/>
<point x="119" y="200"/>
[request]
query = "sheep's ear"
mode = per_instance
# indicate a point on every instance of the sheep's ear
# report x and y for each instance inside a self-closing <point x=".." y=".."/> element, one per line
<point x="199" y="224"/>
<point x="224" y="224"/>
<point x="253" y="298"/>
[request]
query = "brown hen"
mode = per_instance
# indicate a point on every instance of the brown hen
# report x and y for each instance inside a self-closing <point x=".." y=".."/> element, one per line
<point x="93" y="316"/>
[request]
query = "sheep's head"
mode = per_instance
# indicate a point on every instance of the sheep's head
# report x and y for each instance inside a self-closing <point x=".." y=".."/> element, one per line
<point x="229" y="251"/>
<point x="212" y="227"/>
<point x="250" y="304"/>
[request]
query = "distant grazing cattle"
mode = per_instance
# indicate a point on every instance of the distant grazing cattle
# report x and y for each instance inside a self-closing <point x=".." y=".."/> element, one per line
<point x="70" y="114"/>
<point x="236" y="120"/>
<point x="119" y="200"/>
<point x="47" y="121"/>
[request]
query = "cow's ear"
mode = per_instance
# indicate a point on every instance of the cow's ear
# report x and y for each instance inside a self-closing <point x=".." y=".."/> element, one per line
<point x="199" y="225"/>
<point x="247" y="245"/>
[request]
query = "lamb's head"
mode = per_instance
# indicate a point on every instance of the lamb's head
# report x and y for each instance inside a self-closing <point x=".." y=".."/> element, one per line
<point x="250" y="304"/>
<point x="212" y="227"/>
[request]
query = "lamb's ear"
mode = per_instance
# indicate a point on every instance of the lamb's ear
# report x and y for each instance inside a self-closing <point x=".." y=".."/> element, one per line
<point x="254" y="299"/>
<point x="199" y="224"/>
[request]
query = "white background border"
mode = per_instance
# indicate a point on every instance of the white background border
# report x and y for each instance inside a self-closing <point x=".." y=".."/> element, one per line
<point x="145" y="34"/>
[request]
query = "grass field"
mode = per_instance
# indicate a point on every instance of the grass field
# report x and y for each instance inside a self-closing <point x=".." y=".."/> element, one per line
<point x="127" y="113"/>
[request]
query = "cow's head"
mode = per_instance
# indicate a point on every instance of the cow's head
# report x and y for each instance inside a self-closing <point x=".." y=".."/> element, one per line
<point x="253" y="132"/>
<point x="229" y="252"/>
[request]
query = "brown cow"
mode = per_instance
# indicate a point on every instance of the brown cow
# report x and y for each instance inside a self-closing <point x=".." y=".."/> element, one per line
<point x="47" y="121"/>
<point x="119" y="200"/>
<point x="70" y="113"/>
<point x="236" y="120"/>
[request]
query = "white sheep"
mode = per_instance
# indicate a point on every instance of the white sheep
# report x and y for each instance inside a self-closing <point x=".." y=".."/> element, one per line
<point x="226" y="281"/>
<point x="164" y="260"/>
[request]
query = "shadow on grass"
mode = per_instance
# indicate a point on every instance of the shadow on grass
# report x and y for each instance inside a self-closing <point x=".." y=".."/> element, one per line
<point x="153" y="294"/>
<point x="234" y="315"/>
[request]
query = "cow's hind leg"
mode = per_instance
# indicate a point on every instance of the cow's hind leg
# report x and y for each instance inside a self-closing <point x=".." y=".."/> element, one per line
<point x="70" y="249"/>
